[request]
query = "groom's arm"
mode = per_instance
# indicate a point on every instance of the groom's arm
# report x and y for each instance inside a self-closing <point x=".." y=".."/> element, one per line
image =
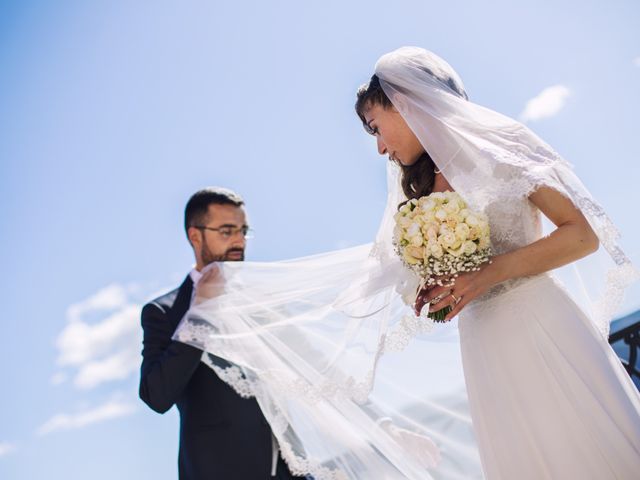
<point x="167" y="365"/>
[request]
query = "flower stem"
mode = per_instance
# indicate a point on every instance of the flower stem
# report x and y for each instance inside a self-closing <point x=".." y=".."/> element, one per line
<point x="440" y="315"/>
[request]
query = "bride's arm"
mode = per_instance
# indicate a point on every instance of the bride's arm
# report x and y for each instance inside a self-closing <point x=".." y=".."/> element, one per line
<point x="573" y="239"/>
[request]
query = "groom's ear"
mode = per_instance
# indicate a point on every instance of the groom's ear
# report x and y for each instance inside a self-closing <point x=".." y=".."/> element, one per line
<point x="194" y="237"/>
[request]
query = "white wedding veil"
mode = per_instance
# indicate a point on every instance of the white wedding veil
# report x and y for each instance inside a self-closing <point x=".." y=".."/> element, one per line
<point x="353" y="385"/>
<point x="485" y="155"/>
<point x="306" y="337"/>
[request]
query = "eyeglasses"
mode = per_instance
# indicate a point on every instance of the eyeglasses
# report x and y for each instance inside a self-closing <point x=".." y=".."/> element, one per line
<point x="229" y="231"/>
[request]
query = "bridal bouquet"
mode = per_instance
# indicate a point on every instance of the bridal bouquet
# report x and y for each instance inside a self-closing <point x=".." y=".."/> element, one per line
<point x="438" y="237"/>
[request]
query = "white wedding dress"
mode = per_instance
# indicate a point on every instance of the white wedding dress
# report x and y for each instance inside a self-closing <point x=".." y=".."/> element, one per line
<point x="549" y="398"/>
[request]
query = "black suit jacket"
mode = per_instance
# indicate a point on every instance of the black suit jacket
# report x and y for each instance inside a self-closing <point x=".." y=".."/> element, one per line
<point x="222" y="435"/>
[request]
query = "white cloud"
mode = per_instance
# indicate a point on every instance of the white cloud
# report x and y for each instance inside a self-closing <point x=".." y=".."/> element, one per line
<point x="546" y="104"/>
<point x="109" y="298"/>
<point x="102" y="339"/>
<point x="110" y="410"/>
<point x="6" y="448"/>
<point x="81" y="342"/>
<point x="636" y="61"/>
<point x="115" y="367"/>
<point x="58" y="378"/>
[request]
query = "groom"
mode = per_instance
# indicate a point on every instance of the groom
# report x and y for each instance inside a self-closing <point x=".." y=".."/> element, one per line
<point x="222" y="435"/>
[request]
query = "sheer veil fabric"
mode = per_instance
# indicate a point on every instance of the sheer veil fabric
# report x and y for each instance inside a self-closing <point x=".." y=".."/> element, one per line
<point x="487" y="156"/>
<point x="353" y="384"/>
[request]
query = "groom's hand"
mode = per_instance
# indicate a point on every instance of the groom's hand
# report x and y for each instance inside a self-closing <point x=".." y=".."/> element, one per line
<point x="210" y="285"/>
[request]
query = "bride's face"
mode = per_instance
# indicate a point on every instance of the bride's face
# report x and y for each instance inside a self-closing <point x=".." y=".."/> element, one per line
<point x="393" y="135"/>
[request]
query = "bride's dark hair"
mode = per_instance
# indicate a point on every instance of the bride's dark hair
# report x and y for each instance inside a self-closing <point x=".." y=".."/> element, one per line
<point x="417" y="179"/>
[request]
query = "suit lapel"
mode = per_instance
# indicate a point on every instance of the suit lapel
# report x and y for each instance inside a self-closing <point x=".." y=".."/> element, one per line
<point x="183" y="301"/>
<point x="180" y="307"/>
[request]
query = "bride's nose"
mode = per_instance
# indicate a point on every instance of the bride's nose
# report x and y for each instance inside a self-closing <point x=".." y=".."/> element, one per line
<point x="382" y="148"/>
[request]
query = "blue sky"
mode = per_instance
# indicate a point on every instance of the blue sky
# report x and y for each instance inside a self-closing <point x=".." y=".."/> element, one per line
<point x="113" y="112"/>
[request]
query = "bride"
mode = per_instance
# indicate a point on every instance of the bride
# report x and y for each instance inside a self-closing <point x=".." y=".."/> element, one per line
<point x="316" y="340"/>
<point x="548" y="396"/>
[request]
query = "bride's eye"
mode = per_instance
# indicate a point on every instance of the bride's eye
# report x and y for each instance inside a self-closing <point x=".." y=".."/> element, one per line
<point x="371" y="130"/>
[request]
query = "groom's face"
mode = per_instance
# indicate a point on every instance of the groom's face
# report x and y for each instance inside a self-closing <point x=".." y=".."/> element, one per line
<point x="223" y="239"/>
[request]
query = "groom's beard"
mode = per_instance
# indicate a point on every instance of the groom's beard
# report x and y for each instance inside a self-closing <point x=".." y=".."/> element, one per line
<point x="231" y="255"/>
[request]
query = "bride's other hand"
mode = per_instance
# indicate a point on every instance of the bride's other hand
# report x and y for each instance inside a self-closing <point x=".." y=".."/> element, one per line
<point x="210" y="284"/>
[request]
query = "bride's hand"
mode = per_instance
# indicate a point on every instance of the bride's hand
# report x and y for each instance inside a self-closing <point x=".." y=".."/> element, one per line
<point x="210" y="284"/>
<point x="467" y="287"/>
<point x="426" y="294"/>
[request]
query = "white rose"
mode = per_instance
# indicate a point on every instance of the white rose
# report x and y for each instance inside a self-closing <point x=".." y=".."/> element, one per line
<point x="472" y="220"/>
<point x="413" y="229"/>
<point x="447" y="239"/>
<point x="452" y="207"/>
<point x="441" y="214"/>
<point x="404" y="210"/>
<point x="436" y="250"/>
<point x="416" y="241"/>
<point x="410" y="259"/>
<point x="405" y="222"/>
<point x="457" y="217"/>
<point x="462" y="231"/>
<point x="427" y="204"/>
<point x="413" y="255"/>
<point x="456" y="252"/>
<point x="451" y="222"/>
<point x="429" y="217"/>
<point x="432" y="232"/>
<point x="423" y="218"/>
<point x="469" y="247"/>
<point x="444" y="229"/>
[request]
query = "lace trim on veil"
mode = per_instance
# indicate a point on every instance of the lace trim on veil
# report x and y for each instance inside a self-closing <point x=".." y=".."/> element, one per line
<point x="396" y="340"/>
<point x="233" y="375"/>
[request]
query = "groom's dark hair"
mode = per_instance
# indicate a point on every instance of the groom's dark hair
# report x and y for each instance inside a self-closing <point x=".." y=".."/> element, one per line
<point x="195" y="213"/>
<point x="417" y="179"/>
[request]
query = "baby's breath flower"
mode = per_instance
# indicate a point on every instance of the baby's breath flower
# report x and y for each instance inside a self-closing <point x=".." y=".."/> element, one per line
<point x="438" y="236"/>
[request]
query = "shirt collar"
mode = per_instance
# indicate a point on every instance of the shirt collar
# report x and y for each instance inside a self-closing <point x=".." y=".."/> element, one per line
<point x="195" y="276"/>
